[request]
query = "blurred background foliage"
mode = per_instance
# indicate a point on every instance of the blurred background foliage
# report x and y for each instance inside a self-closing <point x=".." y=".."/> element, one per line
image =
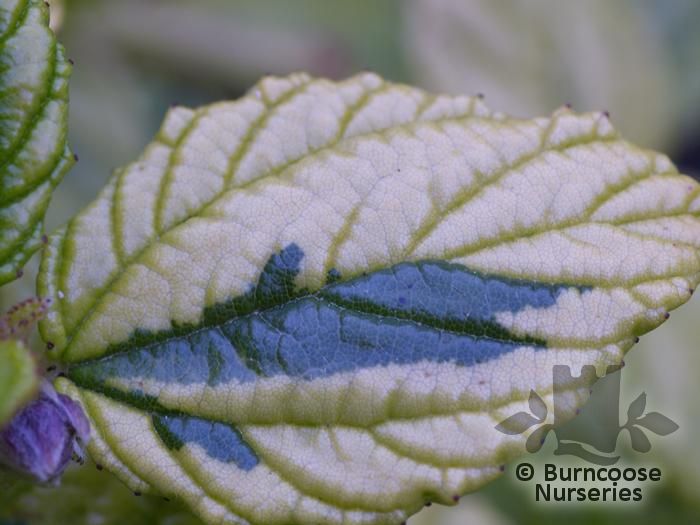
<point x="637" y="59"/>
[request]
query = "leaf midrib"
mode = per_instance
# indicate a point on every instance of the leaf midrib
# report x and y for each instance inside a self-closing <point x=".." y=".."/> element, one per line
<point x="89" y="310"/>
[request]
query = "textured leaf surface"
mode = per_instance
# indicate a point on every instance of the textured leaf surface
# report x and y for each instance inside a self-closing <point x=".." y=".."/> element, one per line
<point x="315" y="304"/>
<point x="33" y="117"/>
<point x="18" y="378"/>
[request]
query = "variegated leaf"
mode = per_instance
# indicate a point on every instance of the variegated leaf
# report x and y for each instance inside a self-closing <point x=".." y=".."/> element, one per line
<point x="34" y="155"/>
<point x="315" y="304"/>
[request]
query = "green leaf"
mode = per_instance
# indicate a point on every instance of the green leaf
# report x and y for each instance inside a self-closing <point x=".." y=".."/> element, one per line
<point x="87" y="495"/>
<point x="18" y="378"/>
<point x="315" y="304"/>
<point x="34" y="155"/>
<point x="12" y="486"/>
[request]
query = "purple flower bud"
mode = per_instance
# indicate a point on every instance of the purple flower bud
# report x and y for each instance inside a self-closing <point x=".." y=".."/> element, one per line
<point x="43" y="437"/>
